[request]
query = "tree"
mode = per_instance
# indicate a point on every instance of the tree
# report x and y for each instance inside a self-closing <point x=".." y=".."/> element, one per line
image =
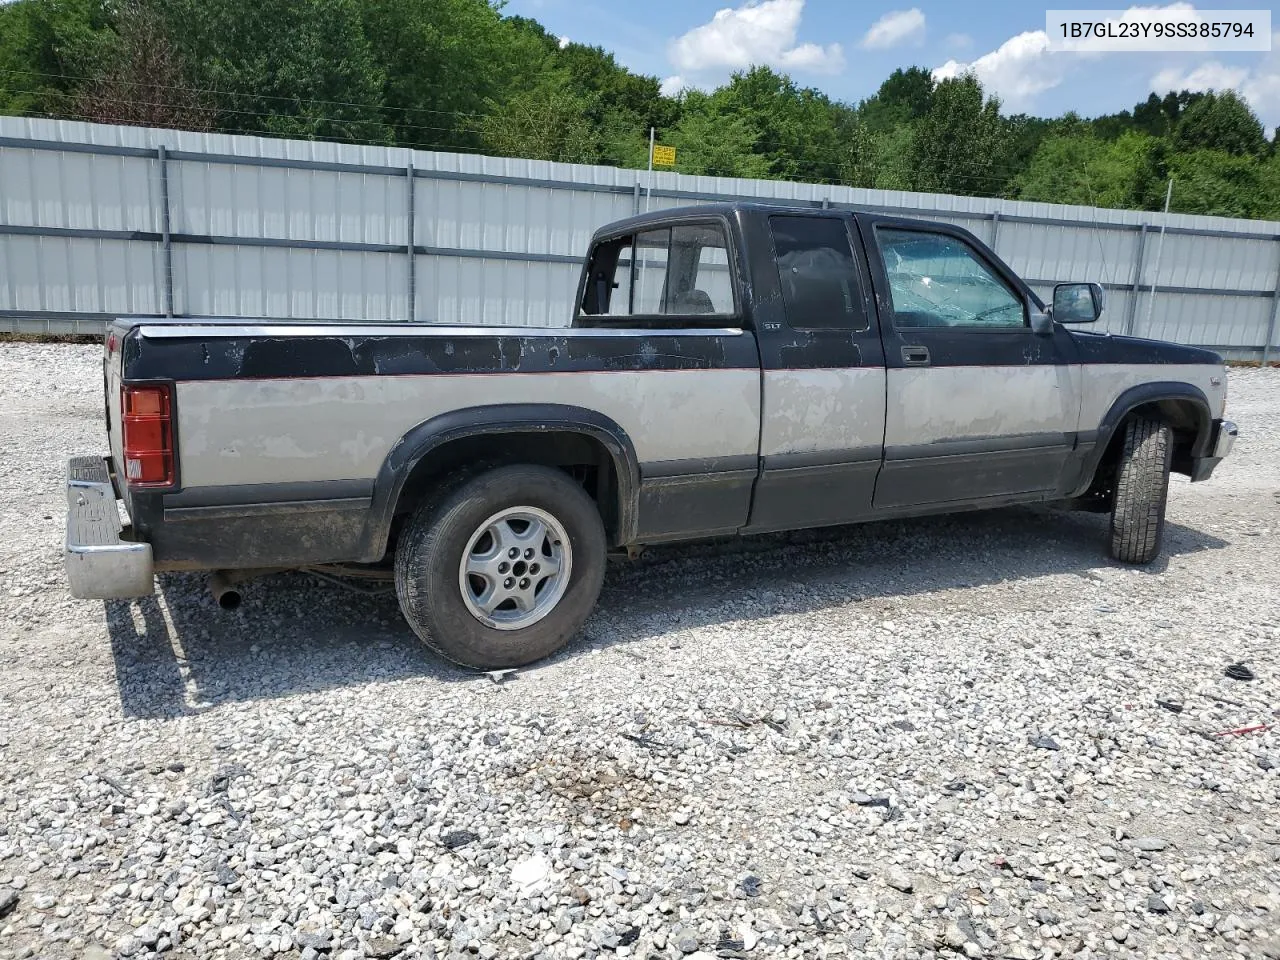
<point x="294" y="68"/>
<point x="902" y="99"/>
<point x="47" y="47"/>
<point x="795" y="128"/>
<point x="1221" y="184"/>
<point x="1220" y="121"/>
<point x="444" y="62"/>
<point x="1085" y="169"/>
<point x="548" y="122"/>
<point x="714" y="142"/>
<point x="961" y="142"/>
<point x="143" y="80"/>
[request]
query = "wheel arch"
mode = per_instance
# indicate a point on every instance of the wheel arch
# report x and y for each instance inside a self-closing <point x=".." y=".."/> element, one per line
<point x="1183" y="406"/>
<point x="551" y="434"/>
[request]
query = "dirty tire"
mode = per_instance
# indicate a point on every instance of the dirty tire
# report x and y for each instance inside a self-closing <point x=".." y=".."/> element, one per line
<point x="1141" y="492"/>
<point x="432" y="544"/>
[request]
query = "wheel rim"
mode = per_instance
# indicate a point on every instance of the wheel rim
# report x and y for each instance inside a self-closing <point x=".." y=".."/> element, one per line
<point x="515" y="568"/>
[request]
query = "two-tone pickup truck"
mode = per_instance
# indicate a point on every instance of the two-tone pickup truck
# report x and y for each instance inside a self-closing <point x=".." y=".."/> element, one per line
<point x="731" y="369"/>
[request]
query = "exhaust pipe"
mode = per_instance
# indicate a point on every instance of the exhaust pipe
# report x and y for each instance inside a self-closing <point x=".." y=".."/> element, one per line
<point x="224" y="590"/>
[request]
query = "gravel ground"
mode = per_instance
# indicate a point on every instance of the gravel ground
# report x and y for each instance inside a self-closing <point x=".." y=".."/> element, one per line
<point x="968" y="737"/>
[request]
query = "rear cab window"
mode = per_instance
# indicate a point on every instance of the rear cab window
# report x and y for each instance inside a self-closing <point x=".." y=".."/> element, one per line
<point x="679" y="275"/>
<point x="821" y="288"/>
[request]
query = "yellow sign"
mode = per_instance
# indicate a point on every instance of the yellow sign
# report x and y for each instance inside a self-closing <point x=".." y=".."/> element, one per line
<point x="664" y="156"/>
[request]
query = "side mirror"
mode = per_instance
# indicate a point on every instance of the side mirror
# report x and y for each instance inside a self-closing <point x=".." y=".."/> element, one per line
<point x="1078" y="302"/>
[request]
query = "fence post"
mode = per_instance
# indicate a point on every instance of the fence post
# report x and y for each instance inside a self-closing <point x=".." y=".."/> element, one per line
<point x="1271" y="324"/>
<point x="1132" y="309"/>
<point x="995" y="230"/>
<point x="165" y="239"/>
<point x="410" y="246"/>
<point x="635" y="197"/>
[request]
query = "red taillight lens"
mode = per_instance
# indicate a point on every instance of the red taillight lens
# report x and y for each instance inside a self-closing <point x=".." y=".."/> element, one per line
<point x="148" y="436"/>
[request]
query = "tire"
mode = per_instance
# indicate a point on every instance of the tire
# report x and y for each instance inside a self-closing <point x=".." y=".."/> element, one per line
<point x="1141" y="492"/>
<point x="460" y="612"/>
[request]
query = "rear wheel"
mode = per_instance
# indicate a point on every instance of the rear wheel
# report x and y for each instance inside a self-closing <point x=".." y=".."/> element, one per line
<point x="1141" y="491"/>
<point x="503" y="570"/>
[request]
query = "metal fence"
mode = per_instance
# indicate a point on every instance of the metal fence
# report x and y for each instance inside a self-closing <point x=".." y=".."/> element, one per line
<point x="103" y="221"/>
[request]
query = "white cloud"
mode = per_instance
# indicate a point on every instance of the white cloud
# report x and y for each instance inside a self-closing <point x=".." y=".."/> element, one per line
<point x="760" y="32"/>
<point x="1018" y="70"/>
<point x="564" y="42"/>
<point x="895" y="28"/>
<point x="1207" y="76"/>
<point x="672" y="85"/>
<point x="1259" y="85"/>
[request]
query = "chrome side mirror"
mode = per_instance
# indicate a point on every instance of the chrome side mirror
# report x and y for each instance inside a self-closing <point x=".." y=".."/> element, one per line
<point x="1078" y="302"/>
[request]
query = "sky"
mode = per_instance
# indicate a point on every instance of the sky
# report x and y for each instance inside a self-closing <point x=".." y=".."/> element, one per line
<point x="847" y="47"/>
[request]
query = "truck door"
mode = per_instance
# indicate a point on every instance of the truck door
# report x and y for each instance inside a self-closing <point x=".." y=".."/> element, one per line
<point x="822" y="414"/>
<point x="978" y="405"/>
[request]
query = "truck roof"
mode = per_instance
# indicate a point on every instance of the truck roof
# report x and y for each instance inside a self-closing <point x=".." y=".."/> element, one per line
<point x="729" y="208"/>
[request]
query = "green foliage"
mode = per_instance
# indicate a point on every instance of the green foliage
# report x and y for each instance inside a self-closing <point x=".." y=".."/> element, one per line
<point x="142" y="79"/>
<point x="1222" y="184"/>
<point x="458" y="74"/>
<point x="1084" y="169"/>
<point x="444" y="62"/>
<point x="47" y="47"/>
<point x="295" y="68"/>
<point x="901" y="100"/>
<point x="794" y="127"/>
<point x="1220" y="121"/>
<point x="961" y="142"/>
<point x="710" y="142"/>
<point x="547" y="122"/>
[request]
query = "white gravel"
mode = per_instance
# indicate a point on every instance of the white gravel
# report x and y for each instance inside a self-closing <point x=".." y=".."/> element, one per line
<point x="938" y="738"/>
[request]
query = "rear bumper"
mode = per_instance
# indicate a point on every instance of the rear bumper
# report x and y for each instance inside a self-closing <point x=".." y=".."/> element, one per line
<point x="1224" y="438"/>
<point x="100" y="564"/>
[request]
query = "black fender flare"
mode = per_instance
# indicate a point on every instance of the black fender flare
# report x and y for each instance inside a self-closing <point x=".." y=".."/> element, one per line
<point x="496" y="419"/>
<point x="1135" y="397"/>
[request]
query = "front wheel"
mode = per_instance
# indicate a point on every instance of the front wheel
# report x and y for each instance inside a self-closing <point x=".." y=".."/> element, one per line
<point x="503" y="570"/>
<point x="1141" y="491"/>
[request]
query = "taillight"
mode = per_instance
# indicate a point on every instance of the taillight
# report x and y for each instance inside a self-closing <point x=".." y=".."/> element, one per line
<point x="148" y="436"/>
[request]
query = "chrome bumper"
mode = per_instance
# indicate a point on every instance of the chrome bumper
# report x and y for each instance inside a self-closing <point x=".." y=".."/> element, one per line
<point x="100" y="565"/>
<point x="1226" y="439"/>
<point x="1202" y="467"/>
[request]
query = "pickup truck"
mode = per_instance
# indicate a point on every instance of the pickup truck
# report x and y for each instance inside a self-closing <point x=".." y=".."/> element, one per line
<point x="730" y="369"/>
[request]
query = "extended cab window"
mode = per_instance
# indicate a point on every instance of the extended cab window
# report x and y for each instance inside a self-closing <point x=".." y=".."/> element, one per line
<point x="817" y="273"/>
<point x="679" y="272"/>
<point x="937" y="280"/>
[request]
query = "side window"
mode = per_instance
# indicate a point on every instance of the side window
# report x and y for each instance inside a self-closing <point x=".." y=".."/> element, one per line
<point x="817" y="273"/>
<point x="699" y="281"/>
<point x="680" y="272"/>
<point x="937" y="280"/>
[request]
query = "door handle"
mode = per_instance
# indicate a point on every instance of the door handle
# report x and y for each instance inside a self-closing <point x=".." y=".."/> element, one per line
<point x="915" y="356"/>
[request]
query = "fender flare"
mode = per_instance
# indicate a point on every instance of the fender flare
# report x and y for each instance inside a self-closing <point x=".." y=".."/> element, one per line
<point x="1135" y="397"/>
<point x="418" y="443"/>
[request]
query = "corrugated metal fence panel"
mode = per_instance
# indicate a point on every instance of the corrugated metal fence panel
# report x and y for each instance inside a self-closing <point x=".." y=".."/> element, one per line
<point x="72" y="275"/>
<point x="228" y="201"/>
<point x="300" y="229"/>
<point x="291" y="284"/>
<point x="78" y="190"/>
